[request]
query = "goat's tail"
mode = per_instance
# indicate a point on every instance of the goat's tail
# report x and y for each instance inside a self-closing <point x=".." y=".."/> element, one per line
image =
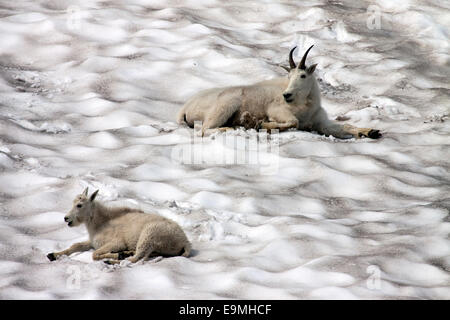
<point x="181" y="116"/>
<point x="186" y="249"/>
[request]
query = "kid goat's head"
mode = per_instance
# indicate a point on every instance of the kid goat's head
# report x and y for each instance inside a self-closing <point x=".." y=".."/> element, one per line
<point x="81" y="210"/>
<point x="300" y="78"/>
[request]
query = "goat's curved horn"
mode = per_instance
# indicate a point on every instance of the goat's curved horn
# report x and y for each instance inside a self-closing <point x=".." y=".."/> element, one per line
<point x="291" y="60"/>
<point x="302" y="64"/>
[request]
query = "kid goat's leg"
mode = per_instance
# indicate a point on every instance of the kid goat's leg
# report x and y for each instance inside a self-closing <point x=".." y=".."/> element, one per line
<point x="115" y="258"/>
<point x="145" y="244"/>
<point x="108" y="251"/>
<point x="77" y="247"/>
<point x="143" y="248"/>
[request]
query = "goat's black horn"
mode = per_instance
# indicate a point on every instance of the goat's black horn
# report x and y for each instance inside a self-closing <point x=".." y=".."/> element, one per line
<point x="302" y="64"/>
<point x="291" y="60"/>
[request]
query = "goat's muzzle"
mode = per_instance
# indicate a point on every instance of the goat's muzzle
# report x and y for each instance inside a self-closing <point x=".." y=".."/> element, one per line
<point x="288" y="97"/>
<point x="69" y="222"/>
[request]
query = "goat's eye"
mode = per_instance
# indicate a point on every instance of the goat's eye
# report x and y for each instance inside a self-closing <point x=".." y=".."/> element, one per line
<point x="79" y="205"/>
<point x="303" y="76"/>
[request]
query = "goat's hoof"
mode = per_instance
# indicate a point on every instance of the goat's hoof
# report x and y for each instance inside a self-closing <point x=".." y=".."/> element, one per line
<point x="374" y="134"/>
<point x="124" y="254"/>
<point x="51" y="256"/>
<point x="111" y="262"/>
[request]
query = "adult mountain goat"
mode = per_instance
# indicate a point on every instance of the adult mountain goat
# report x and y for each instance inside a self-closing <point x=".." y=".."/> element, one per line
<point x="280" y="103"/>
<point x="116" y="233"/>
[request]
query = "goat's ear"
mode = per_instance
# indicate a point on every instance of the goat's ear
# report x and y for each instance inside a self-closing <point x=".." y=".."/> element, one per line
<point x="311" y="68"/>
<point x="286" y="68"/>
<point x="93" y="195"/>
<point x="85" y="192"/>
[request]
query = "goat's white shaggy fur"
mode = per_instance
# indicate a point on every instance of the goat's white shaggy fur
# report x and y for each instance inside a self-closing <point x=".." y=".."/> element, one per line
<point x="116" y="233"/>
<point x="280" y="103"/>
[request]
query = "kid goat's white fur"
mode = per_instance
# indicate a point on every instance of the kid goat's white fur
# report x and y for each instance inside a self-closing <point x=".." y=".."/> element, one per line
<point x="116" y="233"/>
<point x="280" y="103"/>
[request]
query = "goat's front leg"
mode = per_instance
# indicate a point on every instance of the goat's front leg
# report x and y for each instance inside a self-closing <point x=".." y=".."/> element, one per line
<point x="345" y="131"/>
<point x="77" y="247"/>
<point x="281" y="119"/>
<point x="362" y="132"/>
<point x="281" y="126"/>
<point x="125" y="254"/>
<point x="112" y="250"/>
<point x="115" y="258"/>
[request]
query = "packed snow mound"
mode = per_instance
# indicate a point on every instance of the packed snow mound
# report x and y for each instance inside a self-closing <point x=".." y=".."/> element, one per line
<point x="88" y="97"/>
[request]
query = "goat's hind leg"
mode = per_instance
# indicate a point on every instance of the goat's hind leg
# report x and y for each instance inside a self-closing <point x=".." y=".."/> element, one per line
<point x="144" y="247"/>
<point x="219" y="115"/>
<point x="151" y="243"/>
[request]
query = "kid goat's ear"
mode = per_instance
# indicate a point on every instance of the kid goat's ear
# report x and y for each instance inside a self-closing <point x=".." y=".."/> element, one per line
<point x="93" y="195"/>
<point x="85" y="192"/>
<point x="311" y="68"/>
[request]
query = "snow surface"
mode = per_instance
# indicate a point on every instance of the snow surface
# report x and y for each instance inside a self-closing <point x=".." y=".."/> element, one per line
<point x="88" y="96"/>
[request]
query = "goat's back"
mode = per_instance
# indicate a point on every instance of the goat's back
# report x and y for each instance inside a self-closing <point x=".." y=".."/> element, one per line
<point x="253" y="98"/>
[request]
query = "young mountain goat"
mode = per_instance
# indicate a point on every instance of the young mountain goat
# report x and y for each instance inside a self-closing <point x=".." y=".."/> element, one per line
<point x="116" y="233"/>
<point x="280" y="103"/>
